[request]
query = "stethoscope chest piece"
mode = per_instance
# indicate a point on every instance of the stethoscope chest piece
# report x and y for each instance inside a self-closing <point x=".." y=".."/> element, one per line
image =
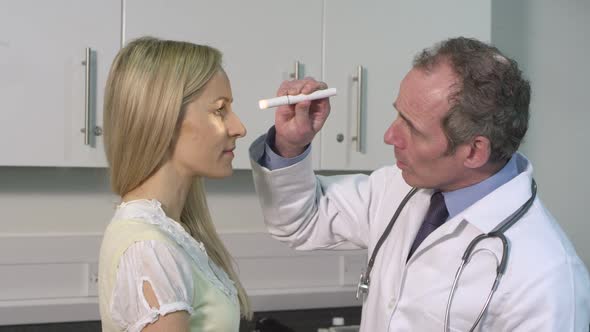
<point x="497" y="232"/>
<point x="363" y="286"/>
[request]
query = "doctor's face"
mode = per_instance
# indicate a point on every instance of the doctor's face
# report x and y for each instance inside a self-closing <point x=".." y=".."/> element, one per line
<point x="419" y="142"/>
<point x="208" y="132"/>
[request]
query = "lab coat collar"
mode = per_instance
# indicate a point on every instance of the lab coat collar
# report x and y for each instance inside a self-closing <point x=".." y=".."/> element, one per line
<point x="490" y="211"/>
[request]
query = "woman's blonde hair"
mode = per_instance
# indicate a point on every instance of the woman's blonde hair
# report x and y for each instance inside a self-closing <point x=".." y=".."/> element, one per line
<point x="149" y="85"/>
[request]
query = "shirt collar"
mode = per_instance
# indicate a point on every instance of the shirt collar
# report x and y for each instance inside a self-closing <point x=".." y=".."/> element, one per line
<point x="498" y="205"/>
<point x="460" y="199"/>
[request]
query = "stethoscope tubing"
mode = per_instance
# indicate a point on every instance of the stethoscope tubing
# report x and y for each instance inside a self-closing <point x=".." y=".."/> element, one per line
<point x="497" y="232"/>
<point x="464" y="261"/>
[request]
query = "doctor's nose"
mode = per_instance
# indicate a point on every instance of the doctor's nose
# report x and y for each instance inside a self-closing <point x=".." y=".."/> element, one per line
<point x="394" y="135"/>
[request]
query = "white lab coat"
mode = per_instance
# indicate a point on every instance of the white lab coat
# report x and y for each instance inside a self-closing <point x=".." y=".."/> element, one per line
<point x="546" y="286"/>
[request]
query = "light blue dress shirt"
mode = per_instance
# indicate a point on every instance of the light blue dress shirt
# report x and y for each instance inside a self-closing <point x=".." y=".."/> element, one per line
<point x="272" y="160"/>
<point x="460" y="199"/>
<point x="456" y="201"/>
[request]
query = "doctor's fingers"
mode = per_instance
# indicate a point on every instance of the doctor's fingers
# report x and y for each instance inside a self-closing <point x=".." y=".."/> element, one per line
<point x="302" y="116"/>
<point x="291" y="87"/>
<point x="312" y="85"/>
<point x="305" y="86"/>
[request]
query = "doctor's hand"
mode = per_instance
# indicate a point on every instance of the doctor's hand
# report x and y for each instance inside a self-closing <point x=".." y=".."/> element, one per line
<point x="296" y="125"/>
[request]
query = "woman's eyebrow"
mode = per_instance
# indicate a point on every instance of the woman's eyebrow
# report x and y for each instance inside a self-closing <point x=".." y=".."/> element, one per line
<point x="224" y="98"/>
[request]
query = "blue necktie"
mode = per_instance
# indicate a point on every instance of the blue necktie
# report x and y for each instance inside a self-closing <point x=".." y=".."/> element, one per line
<point x="437" y="214"/>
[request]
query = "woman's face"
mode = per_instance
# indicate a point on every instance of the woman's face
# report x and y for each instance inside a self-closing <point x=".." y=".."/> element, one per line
<point x="208" y="132"/>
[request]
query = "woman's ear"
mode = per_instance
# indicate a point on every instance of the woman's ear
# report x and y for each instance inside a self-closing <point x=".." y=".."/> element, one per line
<point x="479" y="151"/>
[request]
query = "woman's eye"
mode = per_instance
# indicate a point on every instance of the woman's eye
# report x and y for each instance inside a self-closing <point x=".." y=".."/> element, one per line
<point x="220" y="111"/>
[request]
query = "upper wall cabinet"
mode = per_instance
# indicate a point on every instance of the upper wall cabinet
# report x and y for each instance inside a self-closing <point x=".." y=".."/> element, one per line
<point x="49" y="96"/>
<point x="382" y="38"/>
<point x="262" y="42"/>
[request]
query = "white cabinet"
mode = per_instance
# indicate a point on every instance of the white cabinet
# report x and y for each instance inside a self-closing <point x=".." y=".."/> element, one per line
<point x="383" y="37"/>
<point x="260" y="41"/>
<point x="42" y="79"/>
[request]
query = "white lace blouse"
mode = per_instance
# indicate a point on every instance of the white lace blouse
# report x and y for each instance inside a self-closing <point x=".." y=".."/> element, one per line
<point x="167" y="269"/>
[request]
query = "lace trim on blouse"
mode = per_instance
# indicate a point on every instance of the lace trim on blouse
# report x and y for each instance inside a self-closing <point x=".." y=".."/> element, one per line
<point x="154" y="314"/>
<point x="151" y="212"/>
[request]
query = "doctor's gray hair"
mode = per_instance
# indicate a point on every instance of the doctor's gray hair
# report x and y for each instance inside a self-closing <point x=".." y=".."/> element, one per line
<point x="490" y="99"/>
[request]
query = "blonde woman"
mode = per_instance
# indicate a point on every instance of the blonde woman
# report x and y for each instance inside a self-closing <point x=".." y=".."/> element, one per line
<point x="168" y="123"/>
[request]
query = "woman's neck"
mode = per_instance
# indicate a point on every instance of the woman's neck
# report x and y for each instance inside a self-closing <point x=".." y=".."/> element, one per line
<point x="168" y="186"/>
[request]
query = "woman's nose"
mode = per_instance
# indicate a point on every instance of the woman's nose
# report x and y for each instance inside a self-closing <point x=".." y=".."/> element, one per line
<point x="236" y="127"/>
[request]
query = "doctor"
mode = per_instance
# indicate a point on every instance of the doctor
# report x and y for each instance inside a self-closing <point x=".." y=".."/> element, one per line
<point x="462" y="111"/>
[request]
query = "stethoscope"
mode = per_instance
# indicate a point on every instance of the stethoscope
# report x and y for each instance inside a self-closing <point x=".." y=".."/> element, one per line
<point x="498" y="232"/>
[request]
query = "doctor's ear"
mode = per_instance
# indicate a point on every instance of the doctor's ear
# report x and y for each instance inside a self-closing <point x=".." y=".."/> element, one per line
<point x="478" y="152"/>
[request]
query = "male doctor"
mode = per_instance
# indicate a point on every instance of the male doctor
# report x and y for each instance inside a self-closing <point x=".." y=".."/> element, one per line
<point x="462" y="111"/>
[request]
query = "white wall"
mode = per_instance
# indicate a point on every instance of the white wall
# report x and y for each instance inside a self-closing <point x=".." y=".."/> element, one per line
<point x="78" y="200"/>
<point x="46" y="212"/>
<point x="550" y="40"/>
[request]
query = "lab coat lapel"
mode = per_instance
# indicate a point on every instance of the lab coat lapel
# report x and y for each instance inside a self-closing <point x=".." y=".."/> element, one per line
<point x="438" y="235"/>
<point x="488" y="212"/>
<point x="415" y="213"/>
<point x="495" y="208"/>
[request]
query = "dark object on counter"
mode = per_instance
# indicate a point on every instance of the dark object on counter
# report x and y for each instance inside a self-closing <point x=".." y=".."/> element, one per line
<point x="266" y="324"/>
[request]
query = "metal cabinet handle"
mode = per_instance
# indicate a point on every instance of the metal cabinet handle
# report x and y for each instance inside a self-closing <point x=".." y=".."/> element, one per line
<point x="87" y="98"/>
<point x="359" y="107"/>
<point x="96" y="131"/>
<point x="295" y="73"/>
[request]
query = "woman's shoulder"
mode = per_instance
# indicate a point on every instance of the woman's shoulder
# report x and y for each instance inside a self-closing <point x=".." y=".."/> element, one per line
<point x="123" y="234"/>
<point x="146" y="220"/>
<point x="134" y="222"/>
<point x="142" y="220"/>
<point x="134" y="230"/>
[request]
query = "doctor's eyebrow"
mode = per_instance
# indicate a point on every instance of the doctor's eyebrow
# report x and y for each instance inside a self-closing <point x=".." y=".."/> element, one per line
<point x="401" y="115"/>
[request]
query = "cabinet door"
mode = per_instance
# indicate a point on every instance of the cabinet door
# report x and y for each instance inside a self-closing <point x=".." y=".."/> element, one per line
<point x="383" y="37"/>
<point x="42" y="79"/>
<point x="260" y="41"/>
